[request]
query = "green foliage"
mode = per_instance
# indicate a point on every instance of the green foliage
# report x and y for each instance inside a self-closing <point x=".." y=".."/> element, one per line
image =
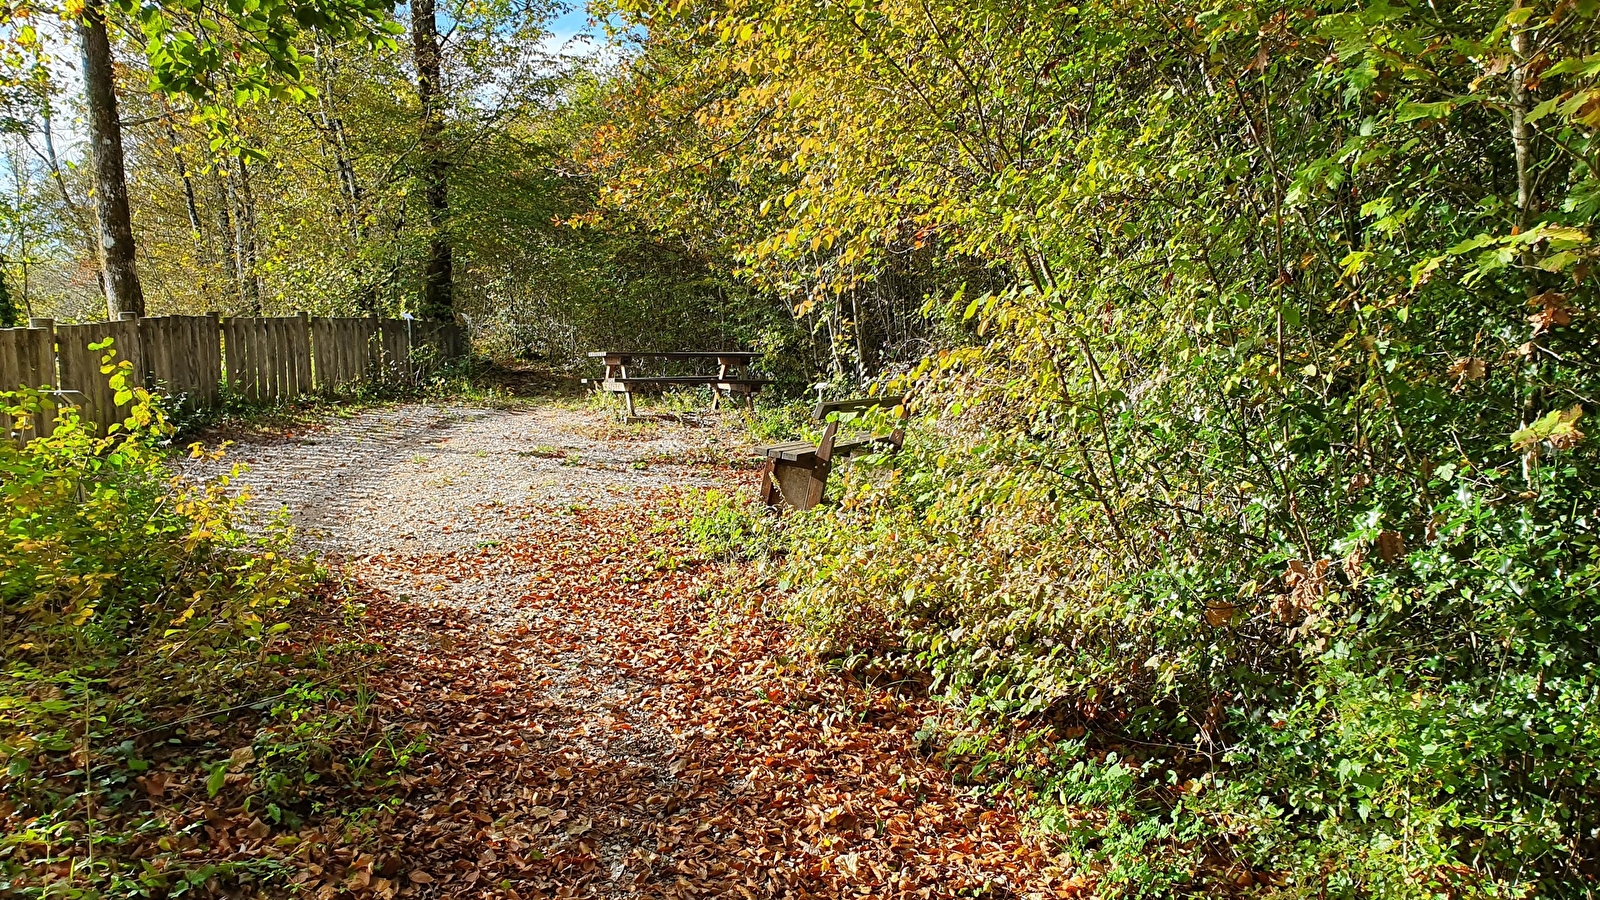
<point x="1255" y="432"/>
<point x="10" y="315"/>
<point x="244" y="50"/>
<point x="727" y="527"/>
<point x="127" y="596"/>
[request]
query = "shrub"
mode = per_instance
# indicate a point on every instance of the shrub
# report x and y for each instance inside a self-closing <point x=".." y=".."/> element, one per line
<point x="128" y="596"/>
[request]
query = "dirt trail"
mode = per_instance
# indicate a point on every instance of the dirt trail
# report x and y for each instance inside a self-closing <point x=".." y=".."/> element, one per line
<point x="599" y="722"/>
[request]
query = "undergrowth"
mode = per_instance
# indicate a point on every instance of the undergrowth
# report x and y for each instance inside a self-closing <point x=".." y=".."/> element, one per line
<point x="166" y="701"/>
<point x="1413" y="719"/>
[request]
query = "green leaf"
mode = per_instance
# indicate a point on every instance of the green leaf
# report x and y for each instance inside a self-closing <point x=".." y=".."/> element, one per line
<point x="1542" y="110"/>
<point x="1408" y="111"/>
<point x="217" y="778"/>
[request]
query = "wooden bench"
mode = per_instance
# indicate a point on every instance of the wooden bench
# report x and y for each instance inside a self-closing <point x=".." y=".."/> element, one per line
<point x="796" y="472"/>
<point x="732" y="378"/>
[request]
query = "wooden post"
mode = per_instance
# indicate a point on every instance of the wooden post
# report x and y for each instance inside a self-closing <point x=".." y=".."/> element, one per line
<point x="823" y="466"/>
<point x="302" y="349"/>
<point x="211" y="362"/>
<point x="769" y="488"/>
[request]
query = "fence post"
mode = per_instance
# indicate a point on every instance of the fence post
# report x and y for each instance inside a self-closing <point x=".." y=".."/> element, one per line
<point x="302" y="361"/>
<point x="213" y="359"/>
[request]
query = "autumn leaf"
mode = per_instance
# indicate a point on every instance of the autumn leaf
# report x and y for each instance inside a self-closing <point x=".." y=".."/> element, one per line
<point x="1468" y="369"/>
<point x="1553" y="311"/>
<point x="1558" y="428"/>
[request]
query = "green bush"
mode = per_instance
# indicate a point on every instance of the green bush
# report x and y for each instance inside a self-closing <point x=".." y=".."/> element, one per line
<point x="727" y="526"/>
<point x="1257" y="449"/>
<point x="1411" y="726"/>
<point x="128" y="598"/>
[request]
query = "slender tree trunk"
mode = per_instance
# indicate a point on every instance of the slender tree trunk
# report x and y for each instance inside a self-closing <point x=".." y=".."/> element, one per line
<point x="79" y="220"/>
<point x="222" y="185"/>
<point x="244" y="229"/>
<point x="437" y="301"/>
<point x="1522" y="101"/>
<point x="189" y="202"/>
<point x="333" y="129"/>
<point x="18" y="175"/>
<point x="121" y="276"/>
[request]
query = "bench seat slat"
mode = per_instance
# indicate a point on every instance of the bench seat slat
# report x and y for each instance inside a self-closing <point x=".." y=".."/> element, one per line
<point x="805" y="451"/>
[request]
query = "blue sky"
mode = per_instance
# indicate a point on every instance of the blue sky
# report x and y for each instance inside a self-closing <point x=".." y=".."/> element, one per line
<point x="572" y="34"/>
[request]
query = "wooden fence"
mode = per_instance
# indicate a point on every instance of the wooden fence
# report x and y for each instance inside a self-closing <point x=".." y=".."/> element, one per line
<point x="193" y="360"/>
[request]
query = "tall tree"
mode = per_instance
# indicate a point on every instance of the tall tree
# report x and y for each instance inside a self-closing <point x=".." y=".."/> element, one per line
<point x="115" y="244"/>
<point x="437" y="277"/>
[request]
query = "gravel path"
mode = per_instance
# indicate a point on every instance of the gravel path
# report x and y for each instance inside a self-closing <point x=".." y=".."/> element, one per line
<point x="419" y="477"/>
<point x="434" y="509"/>
<point x="605" y="714"/>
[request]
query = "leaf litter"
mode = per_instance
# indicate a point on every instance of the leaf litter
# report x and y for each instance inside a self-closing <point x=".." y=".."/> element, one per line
<point x="600" y="721"/>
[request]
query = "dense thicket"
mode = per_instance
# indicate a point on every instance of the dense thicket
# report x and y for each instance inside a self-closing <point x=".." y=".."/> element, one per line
<point x="1252" y="470"/>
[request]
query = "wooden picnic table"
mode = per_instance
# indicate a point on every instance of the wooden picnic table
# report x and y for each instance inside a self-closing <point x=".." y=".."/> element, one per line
<point x="732" y="378"/>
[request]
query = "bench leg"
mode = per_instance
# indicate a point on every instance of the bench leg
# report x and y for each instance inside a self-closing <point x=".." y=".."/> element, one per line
<point x="816" y="484"/>
<point x="769" y="487"/>
<point x="793" y="484"/>
<point x="627" y="398"/>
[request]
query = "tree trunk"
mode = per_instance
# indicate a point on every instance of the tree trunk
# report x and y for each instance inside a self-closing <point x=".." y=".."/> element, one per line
<point x="189" y="202"/>
<point x="333" y="130"/>
<point x="222" y="182"/>
<point x="437" y="277"/>
<point x="123" y="293"/>
<point x="244" y="229"/>
<point x="1522" y="102"/>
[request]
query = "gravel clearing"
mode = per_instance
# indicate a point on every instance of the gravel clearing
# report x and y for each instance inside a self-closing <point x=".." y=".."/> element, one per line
<point x="418" y="478"/>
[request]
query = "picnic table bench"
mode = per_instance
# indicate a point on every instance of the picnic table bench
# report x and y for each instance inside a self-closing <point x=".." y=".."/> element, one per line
<point x="796" y="472"/>
<point x="733" y="377"/>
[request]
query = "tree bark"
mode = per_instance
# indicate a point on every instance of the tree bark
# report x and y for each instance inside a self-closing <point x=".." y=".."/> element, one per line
<point x="244" y="230"/>
<point x="333" y="130"/>
<point x="437" y="279"/>
<point x="115" y="238"/>
<point x="222" y="182"/>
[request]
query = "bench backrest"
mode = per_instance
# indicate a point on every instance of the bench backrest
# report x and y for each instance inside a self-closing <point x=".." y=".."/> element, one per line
<point x="820" y="412"/>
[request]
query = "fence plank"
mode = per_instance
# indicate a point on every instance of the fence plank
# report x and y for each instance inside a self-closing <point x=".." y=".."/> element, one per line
<point x="287" y="388"/>
<point x="394" y="349"/>
<point x="233" y="356"/>
<point x="300" y="333"/>
<point x="272" y="363"/>
<point x="44" y="373"/>
<point x="265" y="389"/>
<point x="293" y="355"/>
<point x="153" y="341"/>
<point x="209" y="347"/>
